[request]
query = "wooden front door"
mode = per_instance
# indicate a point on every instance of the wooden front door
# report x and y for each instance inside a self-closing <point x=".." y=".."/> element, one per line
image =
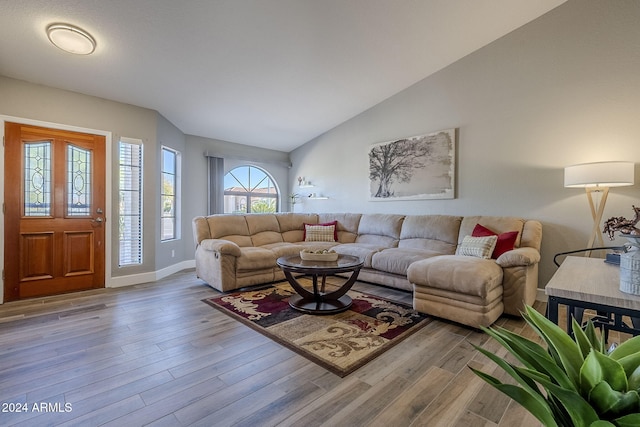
<point x="54" y="211"/>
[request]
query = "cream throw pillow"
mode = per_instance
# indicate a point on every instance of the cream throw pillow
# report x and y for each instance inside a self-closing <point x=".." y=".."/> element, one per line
<point x="480" y="247"/>
<point x="319" y="233"/>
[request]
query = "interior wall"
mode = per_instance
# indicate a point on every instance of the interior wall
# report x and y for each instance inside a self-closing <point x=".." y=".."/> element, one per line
<point x="171" y="251"/>
<point x="561" y="90"/>
<point x="59" y="107"/>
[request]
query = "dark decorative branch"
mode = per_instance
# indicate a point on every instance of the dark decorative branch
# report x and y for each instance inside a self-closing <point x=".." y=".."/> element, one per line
<point x="623" y="225"/>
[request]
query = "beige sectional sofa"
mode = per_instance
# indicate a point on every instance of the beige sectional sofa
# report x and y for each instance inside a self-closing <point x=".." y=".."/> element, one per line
<point x="411" y="252"/>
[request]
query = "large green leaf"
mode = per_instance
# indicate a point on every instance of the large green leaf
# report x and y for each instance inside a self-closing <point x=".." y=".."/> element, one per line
<point x="601" y="423"/>
<point x="627" y="348"/>
<point x="580" y="411"/>
<point x="531" y="403"/>
<point x="525" y="381"/>
<point x="596" y="342"/>
<point x="631" y="420"/>
<point x="587" y="339"/>
<point x="611" y="403"/>
<point x="560" y="345"/>
<point x="629" y="363"/>
<point x="629" y="403"/>
<point x="597" y="368"/>
<point x="634" y="378"/>
<point x="531" y="354"/>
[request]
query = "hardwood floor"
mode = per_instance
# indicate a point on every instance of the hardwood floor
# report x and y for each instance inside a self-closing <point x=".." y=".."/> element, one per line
<point x="154" y="354"/>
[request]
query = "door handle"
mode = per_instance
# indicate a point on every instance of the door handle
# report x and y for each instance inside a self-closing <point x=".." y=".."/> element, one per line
<point x="98" y="220"/>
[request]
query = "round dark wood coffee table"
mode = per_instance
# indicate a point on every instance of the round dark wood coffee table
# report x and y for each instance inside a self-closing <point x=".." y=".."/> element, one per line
<point x="319" y="301"/>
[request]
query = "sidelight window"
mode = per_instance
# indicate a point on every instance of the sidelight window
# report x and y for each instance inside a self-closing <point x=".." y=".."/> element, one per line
<point x="130" y="202"/>
<point x="169" y="195"/>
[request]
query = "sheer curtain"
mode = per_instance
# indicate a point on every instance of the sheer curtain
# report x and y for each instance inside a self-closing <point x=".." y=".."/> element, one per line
<point x="215" y="204"/>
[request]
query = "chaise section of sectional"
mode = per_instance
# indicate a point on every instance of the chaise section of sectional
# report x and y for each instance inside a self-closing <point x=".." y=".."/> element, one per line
<point x="476" y="291"/>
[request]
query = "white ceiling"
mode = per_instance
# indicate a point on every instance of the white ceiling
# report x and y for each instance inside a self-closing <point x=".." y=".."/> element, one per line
<point x="266" y="73"/>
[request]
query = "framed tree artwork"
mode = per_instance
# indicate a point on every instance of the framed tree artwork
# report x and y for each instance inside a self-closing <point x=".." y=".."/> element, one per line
<point x="414" y="168"/>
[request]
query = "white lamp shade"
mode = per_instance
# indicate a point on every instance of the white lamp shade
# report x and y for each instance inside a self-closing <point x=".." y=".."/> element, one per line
<point x="601" y="174"/>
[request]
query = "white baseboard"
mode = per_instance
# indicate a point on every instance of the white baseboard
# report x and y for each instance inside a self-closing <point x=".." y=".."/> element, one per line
<point x="136" y="279"/>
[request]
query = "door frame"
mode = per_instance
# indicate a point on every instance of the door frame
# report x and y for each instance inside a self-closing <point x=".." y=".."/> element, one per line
<point x="108" y="187"/>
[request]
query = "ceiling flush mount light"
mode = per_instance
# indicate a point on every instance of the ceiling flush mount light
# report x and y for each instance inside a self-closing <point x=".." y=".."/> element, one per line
<point x="71" y="39"/>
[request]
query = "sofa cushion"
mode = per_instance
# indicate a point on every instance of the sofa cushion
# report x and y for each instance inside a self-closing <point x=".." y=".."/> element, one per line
<point x="381" y="230"/>
<point x="432" y="232"/>
<point x="363" y="251"/>
<point x="347" y="225"/>
<point x="252" y="259"/>
<point x="480" y="247"/>
<point x="455" y="273"/>
<point x="291" y="225"/>
<point x="264" y="229"/>
<point x="283" y="249"/>
<point x="506" y="241"/>
<point x="230" y="227"/>
<point x="325" y="232"/>
<point x="397" y="260"/>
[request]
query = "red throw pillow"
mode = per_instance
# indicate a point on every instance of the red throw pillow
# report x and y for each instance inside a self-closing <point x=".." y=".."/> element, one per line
<point x="335" y="230"/>
<point x="506" y="241"/>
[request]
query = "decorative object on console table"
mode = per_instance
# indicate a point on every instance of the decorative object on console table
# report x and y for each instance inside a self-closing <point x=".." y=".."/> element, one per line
<point x="598" y="178"/>
<point x="630" y="260"/>
<point x="630" y="267"/>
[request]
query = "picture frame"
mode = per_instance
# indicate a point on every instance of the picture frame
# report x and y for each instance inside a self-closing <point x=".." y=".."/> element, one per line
<point x="420" y="167"/>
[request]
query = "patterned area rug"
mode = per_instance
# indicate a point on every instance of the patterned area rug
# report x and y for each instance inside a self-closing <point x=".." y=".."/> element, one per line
<point x="340" y="342"/>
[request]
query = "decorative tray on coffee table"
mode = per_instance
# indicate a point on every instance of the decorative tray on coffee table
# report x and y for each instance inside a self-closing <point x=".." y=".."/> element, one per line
<point x="309" y="255"/>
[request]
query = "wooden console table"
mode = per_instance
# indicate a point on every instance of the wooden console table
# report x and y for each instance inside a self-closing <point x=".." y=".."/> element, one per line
<point x="590" y="283"/>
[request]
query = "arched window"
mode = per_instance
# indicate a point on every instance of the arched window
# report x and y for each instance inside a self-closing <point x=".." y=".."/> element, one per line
<point x="249" y="189"/>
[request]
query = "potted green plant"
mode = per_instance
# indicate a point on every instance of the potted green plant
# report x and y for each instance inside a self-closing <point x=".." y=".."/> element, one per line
<point x="575" y="381"/>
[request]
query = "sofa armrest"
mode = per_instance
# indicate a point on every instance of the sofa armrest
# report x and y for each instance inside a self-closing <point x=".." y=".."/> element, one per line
<point x="225" y="247"/>
<point x="519" y="257"/>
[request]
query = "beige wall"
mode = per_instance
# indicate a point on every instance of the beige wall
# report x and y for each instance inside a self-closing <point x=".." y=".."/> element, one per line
<point x="562" y="90"/>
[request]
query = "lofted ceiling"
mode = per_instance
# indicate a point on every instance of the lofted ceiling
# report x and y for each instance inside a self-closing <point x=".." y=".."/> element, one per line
<point x="266" y="73"/>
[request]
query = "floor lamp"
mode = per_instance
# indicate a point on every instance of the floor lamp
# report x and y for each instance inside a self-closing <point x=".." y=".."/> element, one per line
<point x="597" y="178"/>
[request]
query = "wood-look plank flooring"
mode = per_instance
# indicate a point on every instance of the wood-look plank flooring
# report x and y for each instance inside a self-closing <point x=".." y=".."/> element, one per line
<point x="155" y="354"/>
